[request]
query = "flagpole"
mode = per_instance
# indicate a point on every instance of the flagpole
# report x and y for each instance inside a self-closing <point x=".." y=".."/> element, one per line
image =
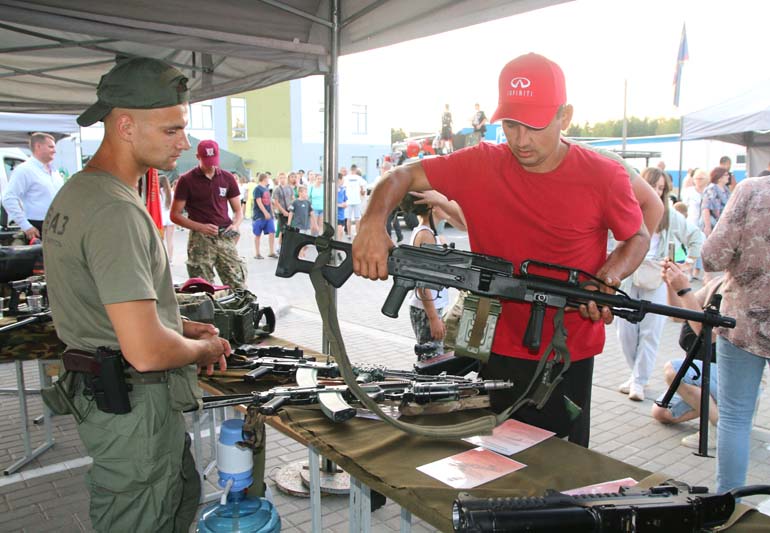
<point x="682" y="56"/>
<point x="681" y="150"/>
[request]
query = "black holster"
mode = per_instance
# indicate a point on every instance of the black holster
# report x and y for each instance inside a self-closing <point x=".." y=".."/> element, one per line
<point x="104" y="374"/>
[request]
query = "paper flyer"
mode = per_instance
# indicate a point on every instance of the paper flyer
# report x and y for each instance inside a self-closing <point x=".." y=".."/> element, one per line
<point x="602" y="488"/>
<point x="470" y="469"/>
<point x="511" y="437"/>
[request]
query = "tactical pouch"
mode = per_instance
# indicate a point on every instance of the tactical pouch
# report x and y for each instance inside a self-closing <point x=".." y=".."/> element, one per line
<point x="197" y="306"/>
<point x="238" y="317"/>
<point x="58" y="397"/>
<point x="184" y="393"/>
<point x="476" y="328"/>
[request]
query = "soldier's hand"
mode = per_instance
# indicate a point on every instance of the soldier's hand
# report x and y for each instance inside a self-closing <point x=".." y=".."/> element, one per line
<point x="215" y="352"/>
<point x="370" y="250"/>
<point x="197" y="330"/>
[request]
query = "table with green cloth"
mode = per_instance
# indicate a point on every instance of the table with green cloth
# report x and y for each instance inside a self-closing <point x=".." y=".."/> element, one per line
<point x="386" y="459"/>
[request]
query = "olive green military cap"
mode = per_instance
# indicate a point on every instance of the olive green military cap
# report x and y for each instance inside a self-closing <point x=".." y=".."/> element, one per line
<point x="137" y="83"/>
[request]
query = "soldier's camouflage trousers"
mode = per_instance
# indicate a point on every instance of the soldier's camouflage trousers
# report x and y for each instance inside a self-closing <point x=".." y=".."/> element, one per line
<point x="143" y="476"/>
<point x="206" y="252"/>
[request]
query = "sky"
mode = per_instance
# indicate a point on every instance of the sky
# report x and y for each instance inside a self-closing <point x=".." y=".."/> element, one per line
<point x="600" y="44"/>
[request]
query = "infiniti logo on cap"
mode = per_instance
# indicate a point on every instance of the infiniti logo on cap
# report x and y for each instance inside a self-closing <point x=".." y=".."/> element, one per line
<point x="520" y="83"/>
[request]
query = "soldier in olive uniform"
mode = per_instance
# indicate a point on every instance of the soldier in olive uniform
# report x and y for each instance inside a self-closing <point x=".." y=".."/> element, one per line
<point x="110" y="285"/>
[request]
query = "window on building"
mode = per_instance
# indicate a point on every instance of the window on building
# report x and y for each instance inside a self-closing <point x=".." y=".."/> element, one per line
<point x="201" y="116"/>
<point x="238" y="119"/>
<point x="362" y="162"/>
<point x="359" y="119"/>
<point x="740" y="159"/>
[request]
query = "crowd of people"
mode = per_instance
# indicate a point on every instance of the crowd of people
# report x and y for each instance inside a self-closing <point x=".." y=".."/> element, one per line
<point x="109" y="276"/>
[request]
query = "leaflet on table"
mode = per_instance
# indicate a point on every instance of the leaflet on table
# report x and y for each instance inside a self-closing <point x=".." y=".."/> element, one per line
<point x="470" y="469"/>
<point x="602" y="488"/>
<point x="511" y="437"/>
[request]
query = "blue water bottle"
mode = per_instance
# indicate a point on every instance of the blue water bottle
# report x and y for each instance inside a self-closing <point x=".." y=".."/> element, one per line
<point x="235" y="511"/>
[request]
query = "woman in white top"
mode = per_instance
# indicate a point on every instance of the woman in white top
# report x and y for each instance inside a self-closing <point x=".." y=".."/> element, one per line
<point x="640" y="341"/>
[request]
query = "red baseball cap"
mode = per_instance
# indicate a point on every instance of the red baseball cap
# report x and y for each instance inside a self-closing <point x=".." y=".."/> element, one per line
<point x="200" y="285"/>
<point x="531" y="91"/>
<point x="208" y="151"/>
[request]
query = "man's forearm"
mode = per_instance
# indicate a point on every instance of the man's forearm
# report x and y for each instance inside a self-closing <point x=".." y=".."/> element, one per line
<point x="180" y="220"/>
<point x="387" y="194"/>
<point x="238" y="214"/>
<point x="627" y="256"/>
<point x="15" y="212"/>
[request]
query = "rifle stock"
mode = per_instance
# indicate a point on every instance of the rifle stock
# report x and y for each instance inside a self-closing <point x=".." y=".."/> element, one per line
<point x="289" y="262"/>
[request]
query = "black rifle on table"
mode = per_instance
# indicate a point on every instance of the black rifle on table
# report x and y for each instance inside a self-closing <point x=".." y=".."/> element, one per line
<point x="666" y="508"/>
<point x="287" y="367"/>
<point x="270" y="401"/>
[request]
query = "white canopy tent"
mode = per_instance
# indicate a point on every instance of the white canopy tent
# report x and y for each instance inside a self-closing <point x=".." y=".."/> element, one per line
<point x="53" y="52"/>
<point x="15" y="128"/>
<point x="743" y="120"/>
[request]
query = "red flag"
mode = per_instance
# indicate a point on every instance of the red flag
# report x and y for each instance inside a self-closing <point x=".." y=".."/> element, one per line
<point x="152" y="198"/>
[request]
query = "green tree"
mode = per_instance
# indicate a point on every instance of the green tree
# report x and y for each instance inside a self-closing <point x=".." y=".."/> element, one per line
<point x="636" y="127"/>
<point x="397" y="135"/>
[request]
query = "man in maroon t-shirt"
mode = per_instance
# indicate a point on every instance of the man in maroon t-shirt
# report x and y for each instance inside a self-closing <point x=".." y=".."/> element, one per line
<point x="205" y="192"/>
<point x="535" y="197"/>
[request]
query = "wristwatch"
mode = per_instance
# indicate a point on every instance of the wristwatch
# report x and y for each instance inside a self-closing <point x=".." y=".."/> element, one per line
<point x="682" y="292"/>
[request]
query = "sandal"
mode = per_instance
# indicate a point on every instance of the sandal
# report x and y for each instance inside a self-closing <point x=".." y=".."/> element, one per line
<point x="258" y="257"/>
<point x="273" y="255"/>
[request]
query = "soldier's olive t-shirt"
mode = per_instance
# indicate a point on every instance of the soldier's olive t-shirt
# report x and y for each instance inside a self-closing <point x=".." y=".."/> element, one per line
<point x="101" y="247"/>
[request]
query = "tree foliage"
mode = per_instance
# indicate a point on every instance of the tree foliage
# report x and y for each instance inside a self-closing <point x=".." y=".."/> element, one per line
<point x="397" y="135"/>
<point x="637" y="127"/>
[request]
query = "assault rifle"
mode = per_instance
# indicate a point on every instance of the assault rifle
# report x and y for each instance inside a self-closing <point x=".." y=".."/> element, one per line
<point x="422" y="393"/>
<point x="432" y="266"/>
<point x="667" y="508"/>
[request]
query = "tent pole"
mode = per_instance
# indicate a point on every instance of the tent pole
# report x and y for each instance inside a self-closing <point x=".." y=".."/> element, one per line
<point x="331" y="134"/>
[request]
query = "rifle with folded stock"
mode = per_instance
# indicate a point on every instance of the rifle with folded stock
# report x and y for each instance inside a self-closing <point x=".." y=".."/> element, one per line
<point x="433" y="266"/>
<point x="667" y="508"/>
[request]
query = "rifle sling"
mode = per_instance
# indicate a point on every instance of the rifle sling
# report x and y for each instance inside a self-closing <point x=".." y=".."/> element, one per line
<point x="479" y="426"/>
<point x="480" y="322"/>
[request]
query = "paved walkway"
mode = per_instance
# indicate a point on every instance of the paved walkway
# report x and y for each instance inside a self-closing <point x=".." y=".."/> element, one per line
<point x="49" y="494"/>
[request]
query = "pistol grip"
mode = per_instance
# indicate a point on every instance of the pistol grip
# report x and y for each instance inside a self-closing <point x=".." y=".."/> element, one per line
<point x="396" y="297"/>
<point x="254" y="375"/>
<point x="271" y="407"/>
<point x="534" y="333"/>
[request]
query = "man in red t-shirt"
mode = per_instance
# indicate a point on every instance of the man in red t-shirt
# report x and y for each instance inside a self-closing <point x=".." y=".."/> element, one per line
<point x="535" y="197"/>
<point x="205" y="192"/>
